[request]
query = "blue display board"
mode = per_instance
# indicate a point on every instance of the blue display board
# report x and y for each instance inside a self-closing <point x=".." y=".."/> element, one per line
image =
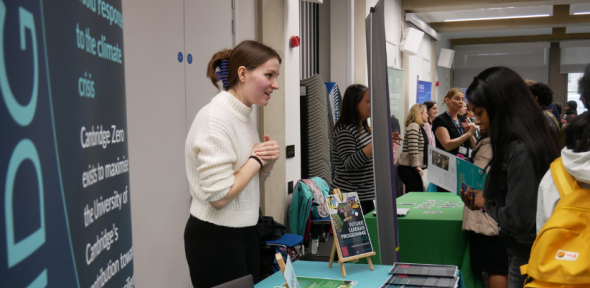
<point x="64" y="168"/>
<point x="423" y="92"/>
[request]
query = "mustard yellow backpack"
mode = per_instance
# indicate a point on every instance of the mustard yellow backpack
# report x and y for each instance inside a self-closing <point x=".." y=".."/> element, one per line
<point x="560" y="256"/>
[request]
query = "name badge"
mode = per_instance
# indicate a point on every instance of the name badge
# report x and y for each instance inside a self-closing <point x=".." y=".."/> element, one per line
<point x="463" y="150"/>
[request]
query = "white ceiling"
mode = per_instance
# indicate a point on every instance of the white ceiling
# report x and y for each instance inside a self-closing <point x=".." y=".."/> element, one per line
<point x="497" y="33"/>
<point x="585" y="7"/>
<point x="430" y="17"/>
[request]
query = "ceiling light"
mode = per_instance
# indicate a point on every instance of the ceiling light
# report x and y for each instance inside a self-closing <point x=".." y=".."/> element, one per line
<point x="581" y="13"/>
<point x="500" y="17"/>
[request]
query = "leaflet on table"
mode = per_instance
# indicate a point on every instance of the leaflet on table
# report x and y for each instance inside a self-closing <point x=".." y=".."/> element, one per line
<point x="289" y="274"/>
<point x="312" y="282"/>
<point x="470" y="175"/>
<point x="442" y="167"/>
<point x="348" y="221"/>
<point x="398" y="279"/>
<point x="423" y="269"/>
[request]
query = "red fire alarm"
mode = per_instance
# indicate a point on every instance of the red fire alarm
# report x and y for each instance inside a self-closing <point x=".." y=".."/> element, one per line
<point x="294" y="41"/>
<point x="436" y="83"/>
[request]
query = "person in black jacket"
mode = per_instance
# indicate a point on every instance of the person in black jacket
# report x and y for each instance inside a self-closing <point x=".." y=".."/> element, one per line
<point x="571" y="111"/>
<point x="523" y="150"/>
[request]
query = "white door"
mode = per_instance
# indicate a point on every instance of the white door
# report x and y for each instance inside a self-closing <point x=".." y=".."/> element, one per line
<point x="208" y="29"/>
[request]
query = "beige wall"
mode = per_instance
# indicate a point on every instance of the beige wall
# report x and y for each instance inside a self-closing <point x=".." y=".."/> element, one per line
<point x="272" y="117"/>
<point x="360" y="43"/>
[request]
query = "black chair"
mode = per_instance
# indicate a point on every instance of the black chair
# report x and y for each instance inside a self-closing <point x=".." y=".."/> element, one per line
<point x="244" y="282"/>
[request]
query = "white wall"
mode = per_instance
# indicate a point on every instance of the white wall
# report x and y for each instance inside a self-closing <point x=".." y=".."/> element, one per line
<point x="292" y="116"/>
<point x="342" y="43"/>
<point x="443" y="75"/>
<point x="325" y="42"/>
<point x="157" y="128"/>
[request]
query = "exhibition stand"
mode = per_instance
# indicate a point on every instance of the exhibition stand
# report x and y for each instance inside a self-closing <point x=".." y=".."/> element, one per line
<point x="431" y="238"/>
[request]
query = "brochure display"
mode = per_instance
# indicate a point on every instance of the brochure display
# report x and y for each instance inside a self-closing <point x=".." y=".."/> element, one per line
<point x="351" y="236"/>
<point x="422" y="275"/>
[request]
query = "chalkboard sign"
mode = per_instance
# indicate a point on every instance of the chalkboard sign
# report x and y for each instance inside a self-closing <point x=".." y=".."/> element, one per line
<point x="64" y="162"/>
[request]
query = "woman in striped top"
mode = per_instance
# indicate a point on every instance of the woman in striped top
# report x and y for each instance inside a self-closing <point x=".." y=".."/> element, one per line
<point x="352" y="148"/>
<point x="414" y="156"/>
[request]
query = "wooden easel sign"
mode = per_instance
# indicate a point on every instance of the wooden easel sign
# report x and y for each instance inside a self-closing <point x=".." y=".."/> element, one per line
<point x="351" y="236"/>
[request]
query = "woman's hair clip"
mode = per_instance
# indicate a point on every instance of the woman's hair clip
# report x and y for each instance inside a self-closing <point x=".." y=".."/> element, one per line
<point x="222" y="72"/>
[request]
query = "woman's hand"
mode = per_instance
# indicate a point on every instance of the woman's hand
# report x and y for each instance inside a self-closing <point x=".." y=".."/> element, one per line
<point x="479" y="201"/>
<point x="469" y="127"/>
<point x="473" y="199"/>
<point x="268" y="151"/>
<point x="419" y="170"/>
<point x="395" y="138"/>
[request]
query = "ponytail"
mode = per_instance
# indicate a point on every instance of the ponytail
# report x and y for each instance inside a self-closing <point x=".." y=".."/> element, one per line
<point x="248" y="54"/>
<point x="215" y="63"/>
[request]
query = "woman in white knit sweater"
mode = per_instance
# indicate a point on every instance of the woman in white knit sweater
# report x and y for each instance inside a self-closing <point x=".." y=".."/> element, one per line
<point x="226" y="164"/>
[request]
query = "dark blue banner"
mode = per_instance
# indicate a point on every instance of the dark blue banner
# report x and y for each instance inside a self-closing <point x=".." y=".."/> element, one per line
<point x="424" y="92"/>
<point x="64" y="168"/>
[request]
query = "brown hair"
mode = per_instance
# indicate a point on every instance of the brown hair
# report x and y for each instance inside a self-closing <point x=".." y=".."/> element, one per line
<point x="414" y="116"/>
<point x="248" y="53"/>
<point x="451" y="93"/>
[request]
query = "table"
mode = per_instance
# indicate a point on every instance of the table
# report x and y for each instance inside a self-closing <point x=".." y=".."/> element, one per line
<point x="361" y="273"/>
<point x="431" y="238"/>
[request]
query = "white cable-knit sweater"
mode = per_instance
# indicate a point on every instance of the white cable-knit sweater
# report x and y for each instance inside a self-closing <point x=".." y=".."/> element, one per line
<point x="218" y="144"/>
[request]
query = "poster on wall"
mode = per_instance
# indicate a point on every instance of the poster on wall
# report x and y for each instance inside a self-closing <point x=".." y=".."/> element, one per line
<point x="348" y="221"/>
<point x="396" y="109"/>
<point x="424" y="92"/>
<point x="64" y="165"/>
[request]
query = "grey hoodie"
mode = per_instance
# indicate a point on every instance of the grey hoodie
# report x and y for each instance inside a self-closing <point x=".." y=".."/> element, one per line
<point x="578" y="165"/>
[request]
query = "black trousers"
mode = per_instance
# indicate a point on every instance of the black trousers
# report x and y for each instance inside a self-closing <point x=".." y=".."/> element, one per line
<point x="368" y="206"/>
<point x="411" y="178"/>
<point x="217" y="254"/>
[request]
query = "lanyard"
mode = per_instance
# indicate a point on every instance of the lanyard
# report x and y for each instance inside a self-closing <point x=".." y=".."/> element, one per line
<point x="459" y="128"/>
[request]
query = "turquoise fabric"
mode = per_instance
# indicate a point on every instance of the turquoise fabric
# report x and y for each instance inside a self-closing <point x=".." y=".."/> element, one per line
<point x="300" y="208"/>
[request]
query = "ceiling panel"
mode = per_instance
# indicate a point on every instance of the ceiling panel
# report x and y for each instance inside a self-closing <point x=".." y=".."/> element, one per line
<point x="497" y="33"/>
<point x="430" y="17"/>
<point x="577" y="29"/>
<point x="579" y="8"/>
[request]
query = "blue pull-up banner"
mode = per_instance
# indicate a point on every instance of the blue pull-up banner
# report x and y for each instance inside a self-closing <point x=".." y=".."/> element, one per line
<point x="65" y="218"/>
<point x="424" y="92"/>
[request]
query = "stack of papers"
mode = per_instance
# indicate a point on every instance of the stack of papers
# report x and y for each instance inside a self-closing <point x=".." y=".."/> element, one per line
<point x="400" y="212"/>
<point x="409" y="275"/>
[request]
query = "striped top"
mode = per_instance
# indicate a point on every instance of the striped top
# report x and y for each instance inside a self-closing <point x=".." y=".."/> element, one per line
<point x="414" y="147"/>
<point x="353" y="169"/>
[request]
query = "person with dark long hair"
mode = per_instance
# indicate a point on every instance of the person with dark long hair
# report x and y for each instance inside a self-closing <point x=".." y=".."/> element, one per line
<point x="226" y="164"/>
<point x="522" y="149"/>
<point x="432" y="111"/>
<point x="352" y="148"/>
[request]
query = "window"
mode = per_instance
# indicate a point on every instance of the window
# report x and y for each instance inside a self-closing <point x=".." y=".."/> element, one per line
<point x="572" y="90"/>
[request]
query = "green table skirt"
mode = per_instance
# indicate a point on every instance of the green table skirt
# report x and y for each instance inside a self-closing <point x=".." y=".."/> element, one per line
<point x="430" y="238"/>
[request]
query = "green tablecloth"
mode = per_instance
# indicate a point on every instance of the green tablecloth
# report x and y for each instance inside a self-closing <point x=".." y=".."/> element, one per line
<point x="431" y="238"/>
